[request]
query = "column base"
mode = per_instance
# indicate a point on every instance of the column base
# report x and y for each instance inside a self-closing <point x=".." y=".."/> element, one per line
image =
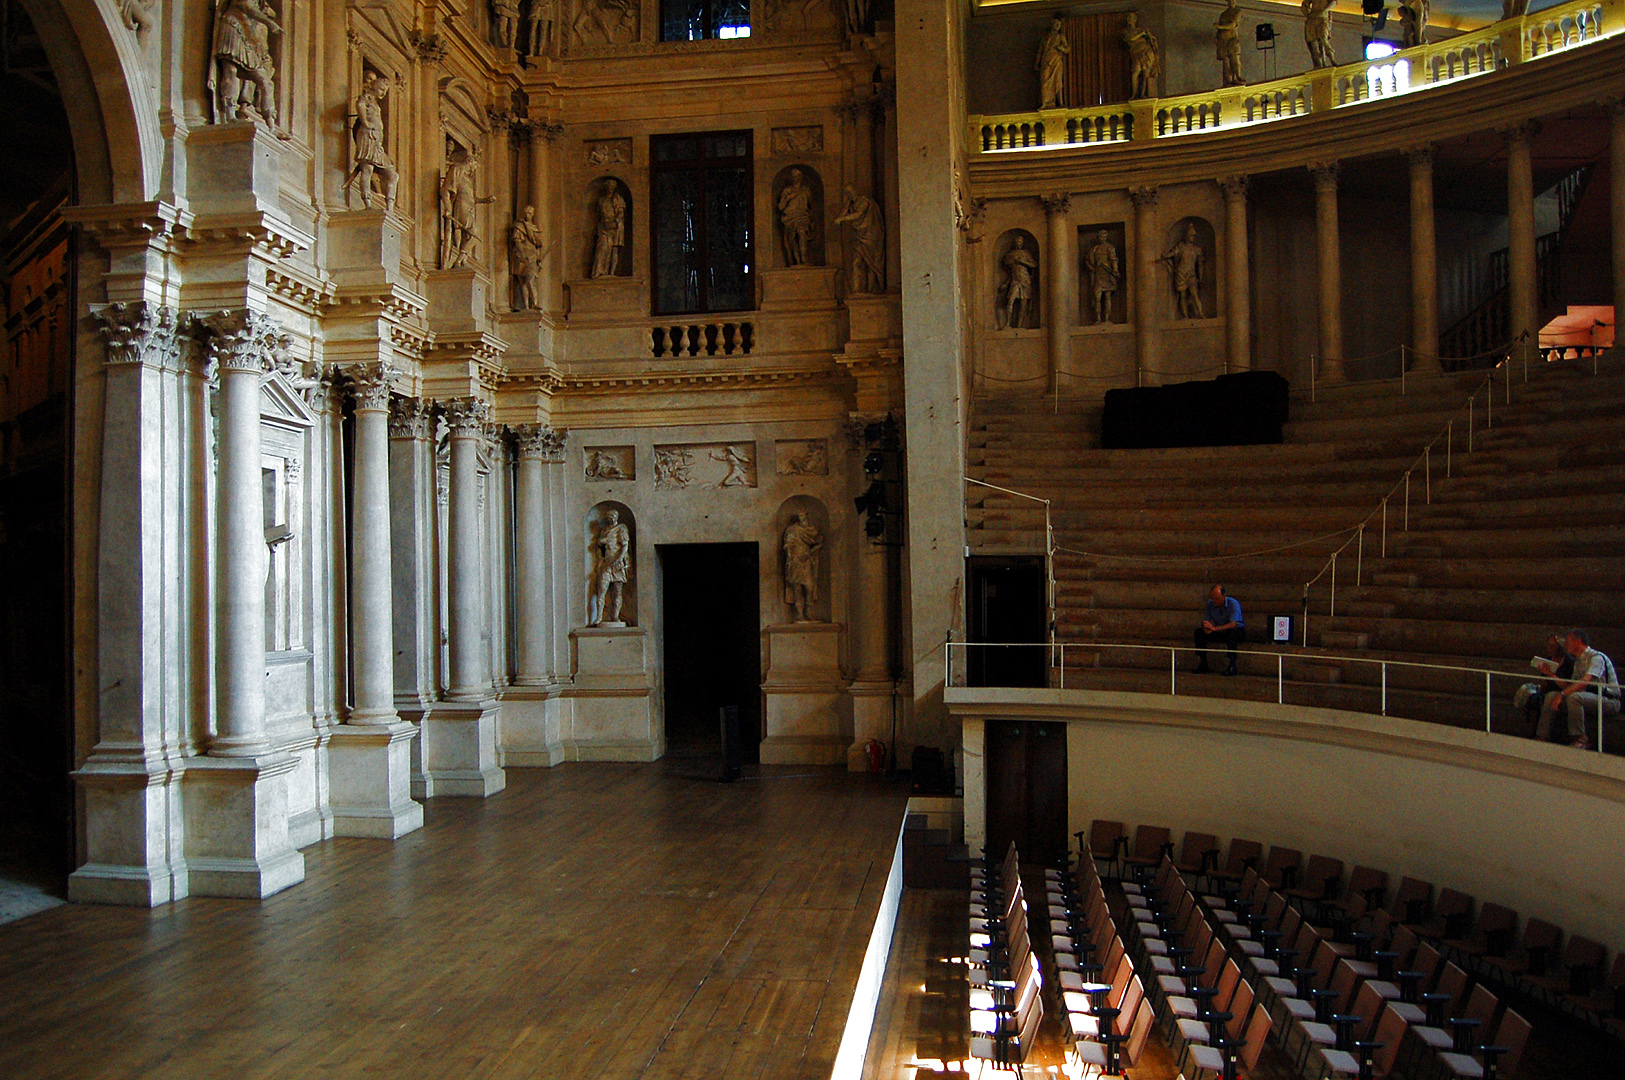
<point x="237" y="826"/>
<point x="871" y="719"/>
<point x="530" y="726"/>
<point x="459" y="752"/>
<point x="370" y="780"/>
<point x="132" y="823"/>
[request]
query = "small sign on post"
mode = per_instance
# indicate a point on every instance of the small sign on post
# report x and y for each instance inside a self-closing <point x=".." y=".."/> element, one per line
<point x="1281" y="629"/>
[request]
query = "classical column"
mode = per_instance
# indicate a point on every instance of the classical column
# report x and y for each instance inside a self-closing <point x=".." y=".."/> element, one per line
<point x="1424" y="263"/>
<point x="241" y="343"/>
<point x="1238" y="325"/>
<point x="1523" y="300"/>
<point x="469" y="681"/>
<point x="372" y="636"/>
<point x="538" y="445"/>
<point x="1061" y="273"/>
<point x="1616" y="218"/>
<point x="1328" y="248"/>
<point x="1145" y="282"/>
<point x="412" y="555"/>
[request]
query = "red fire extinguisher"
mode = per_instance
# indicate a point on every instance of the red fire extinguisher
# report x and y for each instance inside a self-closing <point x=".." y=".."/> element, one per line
<point x="877" y="755"/>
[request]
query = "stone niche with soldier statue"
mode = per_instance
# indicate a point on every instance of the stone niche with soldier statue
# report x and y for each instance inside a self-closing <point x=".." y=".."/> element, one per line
<point x="806" y="711"/>
<point x="612" y="717"/>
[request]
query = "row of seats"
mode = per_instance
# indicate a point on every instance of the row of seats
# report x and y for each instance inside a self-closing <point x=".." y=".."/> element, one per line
<point x="1573" y="977"/>
<point x="1006" y="1006"/>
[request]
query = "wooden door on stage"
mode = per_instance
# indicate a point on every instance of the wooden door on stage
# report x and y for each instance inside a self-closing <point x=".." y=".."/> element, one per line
<point x="1026" y="789"/>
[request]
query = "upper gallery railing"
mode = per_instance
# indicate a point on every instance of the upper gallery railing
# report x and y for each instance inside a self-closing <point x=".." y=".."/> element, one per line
<point x="1511" y="41"/>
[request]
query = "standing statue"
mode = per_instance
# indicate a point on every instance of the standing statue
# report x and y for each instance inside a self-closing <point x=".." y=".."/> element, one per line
<point x="1100" y="261"/>
<point x="796" y="218"/>
<point x="1184" y="261"/>
<point x="371" y="159"/>
<point x="1317" y="33"/>
<point x="458" y="201"/>
<point x="539" y="19"/>
<point x="525" y="254"/>
<point x="505" y="20"/>
<point x="858" y="16"/>
<point x="869" y="236"/>
<point x="1145" y="64"/>
<point x="242" y="72"/>
<point x="1051" y="65"/>
<point x="1019" y="265"/>
<point x="1227" y="39"/>
<point x="1413" y="23"/>
<point x="611" y="233"/>
<point x="611" y="567"/>
<point x="1514" y="9"/>
<point x="802" y="543"/>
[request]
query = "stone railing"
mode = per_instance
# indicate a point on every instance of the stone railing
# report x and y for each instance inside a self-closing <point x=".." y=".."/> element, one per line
<point x="674" y="338"/>
<point x="1497" y="46"/>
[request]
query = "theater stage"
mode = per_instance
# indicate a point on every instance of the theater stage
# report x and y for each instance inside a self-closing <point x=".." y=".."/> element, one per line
<point x="593" y="920"/>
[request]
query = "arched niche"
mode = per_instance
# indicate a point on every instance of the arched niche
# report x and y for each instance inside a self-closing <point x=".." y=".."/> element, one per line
<point x="818" y="607"/>
<point x="813" y="200"/>
<point x="1177" y="261"/>
<point x="598" y="203"/>
<point x="1016" y="268"/>
<point x="601" y="520"/>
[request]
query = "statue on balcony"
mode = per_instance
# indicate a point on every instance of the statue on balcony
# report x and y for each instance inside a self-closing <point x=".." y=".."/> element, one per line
<point x="1145" y="63"/>
<point x="1105" y="274"/>
<point x="539" y="26"/>
<point x="869" y="241"/>
<point x="1052" y="65"/>
<point x="1413" y="23"/>
<point x="1227" y="37"/>
<point x="1019" y="265"/>
<point x="1185" y="261"/>
<point x="1317" y="32"/>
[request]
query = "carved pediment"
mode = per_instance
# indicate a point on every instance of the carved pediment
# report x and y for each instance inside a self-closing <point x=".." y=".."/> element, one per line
<point x="281" y="403"/>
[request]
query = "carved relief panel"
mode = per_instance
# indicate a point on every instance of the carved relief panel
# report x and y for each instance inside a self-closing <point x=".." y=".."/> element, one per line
<point x="702" y="465"/>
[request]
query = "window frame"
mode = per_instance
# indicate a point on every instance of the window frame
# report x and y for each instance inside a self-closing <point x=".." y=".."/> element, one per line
<point x="701" y="164"/>
<point x="710" y="20"/>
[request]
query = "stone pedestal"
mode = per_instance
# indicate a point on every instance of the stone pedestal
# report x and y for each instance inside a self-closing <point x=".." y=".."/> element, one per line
<point x="133" y="836"/>
<point x="457" y="300"/>
<point x="871" y="719"/>
<point x="369" y="780"/>
<point x="794" y="288"/>
<point x="237" y="826"/>
<point x="613" y="714"/>
<point x="606" y="297"/>
<point x="804" y="696"/>
<point x="875" y="317"/>
<point x="459" y="753"/>
<point x="531" y="728"/>
<point x="233" y="168"/>
<point x="364" y="247"/>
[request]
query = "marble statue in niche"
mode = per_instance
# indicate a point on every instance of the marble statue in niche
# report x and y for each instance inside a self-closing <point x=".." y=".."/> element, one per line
<point x="796" y="218"/>
<point x="1317" y="33"/>
<point x="602" y="464"/>
<point x="1227" y="42"/>
<point x="859" y="16"/>
<point x="242" y="71"/>
<point x="802" y="544"/>
<point x="1413" y="23"/>
<point x="525" y="255"/>
<point x="674" y="467"/>
<point x="1051" y="65"/>
<point x="869" y="242"/>
<point x="504" y="21"/>
<point x="1185" y="260"/>
<point x="610" y="233"/>
<point x="540" y="18"/>
<point x="1145" y="63"/>
<point x="458" y="200"/>
<point x="1016" y="309"/>
<point x="737" y="463"/>
<point x="1104" y="271"/>
<point x="372" y="161"/>
<point x="611" y="570"/>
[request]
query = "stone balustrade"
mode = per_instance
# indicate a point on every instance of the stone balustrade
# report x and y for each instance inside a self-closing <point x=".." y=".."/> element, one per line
<point x="1481" y="52"/>
<point x="674" y="339"/>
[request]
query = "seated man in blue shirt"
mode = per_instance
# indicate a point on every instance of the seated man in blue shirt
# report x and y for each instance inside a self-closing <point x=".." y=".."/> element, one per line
<point x="1221" y="622"/>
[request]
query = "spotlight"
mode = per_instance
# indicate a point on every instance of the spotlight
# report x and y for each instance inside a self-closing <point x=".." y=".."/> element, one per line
<point x="872" y="501"/>
<point x="875" y="462"/>
<point x="874" y="526"/>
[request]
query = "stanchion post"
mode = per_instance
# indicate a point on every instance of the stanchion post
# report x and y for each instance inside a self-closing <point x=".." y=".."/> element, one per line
<point x="1487" y="703"/>
<point x="1385" y="688"/>
<point x="1173" y="668"/>
<point x="1280" y="679"/>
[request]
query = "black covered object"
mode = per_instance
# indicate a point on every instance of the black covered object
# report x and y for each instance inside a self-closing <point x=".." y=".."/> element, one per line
<point x="1242" y="409"/>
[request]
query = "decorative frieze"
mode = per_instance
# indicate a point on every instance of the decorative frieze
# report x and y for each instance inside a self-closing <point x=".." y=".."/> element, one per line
<point x="722" y="465"/>
<point x="802" y="457"/>
<point x="610" y="463"/>
<point x="798" y="140"/>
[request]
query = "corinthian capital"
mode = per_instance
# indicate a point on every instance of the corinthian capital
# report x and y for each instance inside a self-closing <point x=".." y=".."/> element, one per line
<point x="1142" y="196"/>
<point x="370" y="383"/>
<point x="466" y="417"/>
<point x="539" y="442"/>
<point x="241" y="339"/>
<point x="139" y="333"/>
<point x="410" y="418"/>
<point x="1056" y="202"/>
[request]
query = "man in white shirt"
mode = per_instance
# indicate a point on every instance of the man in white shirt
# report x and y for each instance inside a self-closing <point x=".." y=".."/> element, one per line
<point x="1595" y="686"/>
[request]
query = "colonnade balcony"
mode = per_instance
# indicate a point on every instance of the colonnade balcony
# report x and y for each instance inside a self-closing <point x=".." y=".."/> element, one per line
<point x="1490" y="51"/>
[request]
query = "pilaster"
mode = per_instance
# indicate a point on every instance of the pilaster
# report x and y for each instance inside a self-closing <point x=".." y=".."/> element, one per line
<point x="1328" y="249"/>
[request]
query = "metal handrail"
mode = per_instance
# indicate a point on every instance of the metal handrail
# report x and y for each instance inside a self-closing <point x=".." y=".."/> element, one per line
<point x="1173" y="651"/>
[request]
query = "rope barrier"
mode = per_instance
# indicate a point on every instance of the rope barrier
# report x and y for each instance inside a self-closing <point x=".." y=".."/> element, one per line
<point x="1205" y="558"/>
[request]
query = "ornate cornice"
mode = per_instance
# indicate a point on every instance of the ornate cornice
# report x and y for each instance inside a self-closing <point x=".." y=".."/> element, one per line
<point x="370" y="383"/>
<point x="538" y="442"/>
<point x="466" y="417"/>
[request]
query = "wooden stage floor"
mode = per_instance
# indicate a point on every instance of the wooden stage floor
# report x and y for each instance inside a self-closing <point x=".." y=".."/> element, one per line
<point x="593" y="920"/>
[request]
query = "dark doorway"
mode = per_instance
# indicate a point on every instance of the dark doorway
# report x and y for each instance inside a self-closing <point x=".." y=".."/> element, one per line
<point x="711" y="644"/>
<point x="1026" y="789"/>
<point x="1007" y="607"/>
